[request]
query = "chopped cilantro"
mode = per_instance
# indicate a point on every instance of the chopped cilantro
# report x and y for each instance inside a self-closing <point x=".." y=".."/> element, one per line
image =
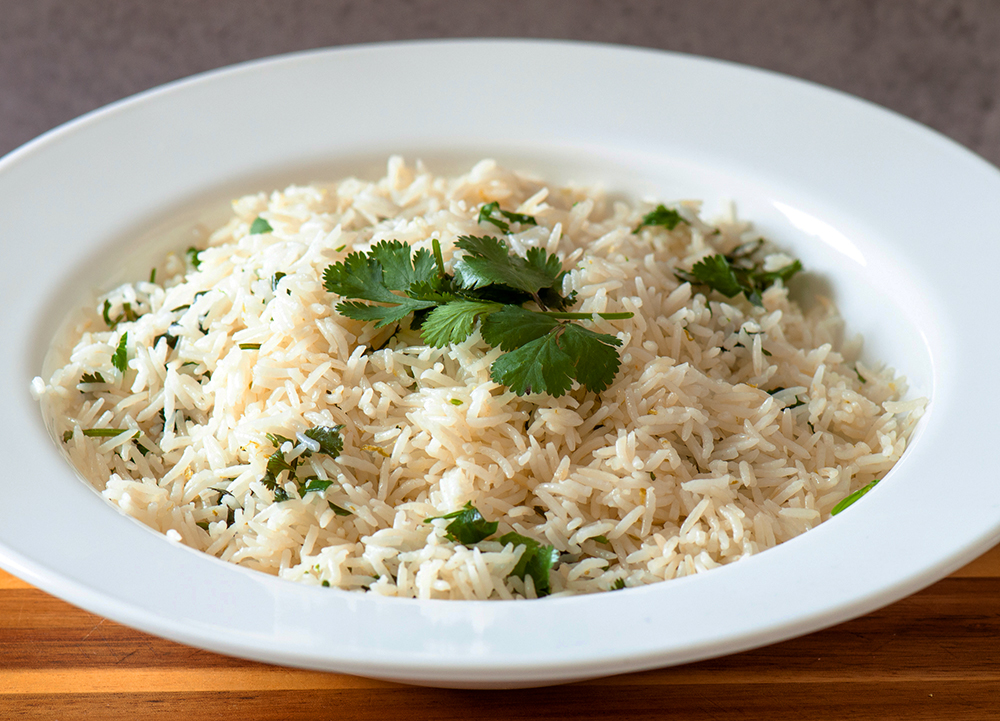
<point x="536" y="561"/>
<point x="127" y="314"/>
<point x="203" y="525"/>
<point x="314" y="485"/>
<point x="736" y="273"/>
<point x="152" y="275"/>
<point x="456" y="401"/>
<point x="339" y="248"/>
<point x="338" y="510"/>
<point x="860" y="377"/>
<point x="660" y="216"/>
<point x="330" y="441"/>
<point x="853" y="497"/>
<point x="260" y="226"/>
<point x="325" y="584"/>
<point x="601" y="539"/>
<point x="104" y="432"/>
<point x="66" y="436"/>
<point x="193" y="257"/>
<point x="489" y="211"/>
<point x="618" y="585"/>
<point x="249" y="346"/>
<point x="120" y="357"/>
<point x="92" y="378"/>
<point x="467" y="525"/>
<point x="275" y="279"/>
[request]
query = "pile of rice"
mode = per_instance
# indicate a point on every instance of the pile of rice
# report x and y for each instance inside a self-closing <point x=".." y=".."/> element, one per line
<point x="686" y="462"/>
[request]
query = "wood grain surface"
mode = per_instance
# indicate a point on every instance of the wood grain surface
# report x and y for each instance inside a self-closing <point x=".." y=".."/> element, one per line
<point x="934" y="655"/>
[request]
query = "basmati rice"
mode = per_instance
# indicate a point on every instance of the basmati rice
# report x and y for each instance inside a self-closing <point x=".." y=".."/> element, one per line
<point x="686" y="462"/>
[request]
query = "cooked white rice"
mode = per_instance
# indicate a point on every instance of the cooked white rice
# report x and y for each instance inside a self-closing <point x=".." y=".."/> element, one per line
<point x="686" y="462"/>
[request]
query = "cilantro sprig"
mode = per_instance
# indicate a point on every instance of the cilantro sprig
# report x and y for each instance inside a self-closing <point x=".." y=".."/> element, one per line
<point x="738" y="272"/>
<point x="488" y="286"/>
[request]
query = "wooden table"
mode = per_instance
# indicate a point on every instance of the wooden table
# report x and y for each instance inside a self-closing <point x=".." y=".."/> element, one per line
<point x="934" y="655"/>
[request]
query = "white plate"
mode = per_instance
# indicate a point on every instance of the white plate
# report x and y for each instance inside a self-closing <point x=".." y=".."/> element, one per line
<point x="899" y="221"/>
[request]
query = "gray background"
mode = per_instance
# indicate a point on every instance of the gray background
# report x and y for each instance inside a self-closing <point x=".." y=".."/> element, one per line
<point x="937" y="61"/>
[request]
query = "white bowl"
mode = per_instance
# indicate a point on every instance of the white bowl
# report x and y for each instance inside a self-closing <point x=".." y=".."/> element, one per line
<point x="899" y="222"/>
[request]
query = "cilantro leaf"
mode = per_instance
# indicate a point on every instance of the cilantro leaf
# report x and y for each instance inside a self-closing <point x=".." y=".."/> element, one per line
<point x="453" y="322"/>
<point x="467" y="526"/>
<point x="260" y="226"/>
<point x="362" y="276"/>
<point x="661" y="216"/>
<point x="853" y="497"/>
<point x="539" y="366"/>
<point x="595" y="355"/>
<point x="120" y="357"/>
<point x="275" y="279"/>
<point x="545" y="356"/>
<point x="399" y="269"/>
<point x="536" y="561"/>
<point x="338" y="510"/>
<point x="618" y="585"/>
<point x="513" y="326"/>
<point x="488" y="262"/>
<point x="330" y="441"/>
<point x="92" y="378"/>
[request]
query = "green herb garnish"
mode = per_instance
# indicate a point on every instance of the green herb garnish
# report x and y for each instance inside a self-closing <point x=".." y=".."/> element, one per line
<point x="260" y="226"/>
<point x="66" y="436"/>
<point x="249" y="346"/>
<point x="853" y="497"/>
<point x="489" y="287"/>
<point x="601" y="539"/>
<point x="736" y="273"/>
<point x="275" y="279"/>
<point x="92" y="378"/>
<point x="338" y="510"/>
<point x="314" y="485"/>
<point x="127" y="314"/>
<point x="203" y="525"/>
<point x="104" y="432"/>
<point x="467" y="525"/>
<point x="536" y="561"/>
<point x="193" y="257"/>
<point x="120" y="356"/>
<point x="488" y="213"/>
<point x="330" y="441"/>
<point x="660" y="216"/>
<point x="618" y="585"/>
